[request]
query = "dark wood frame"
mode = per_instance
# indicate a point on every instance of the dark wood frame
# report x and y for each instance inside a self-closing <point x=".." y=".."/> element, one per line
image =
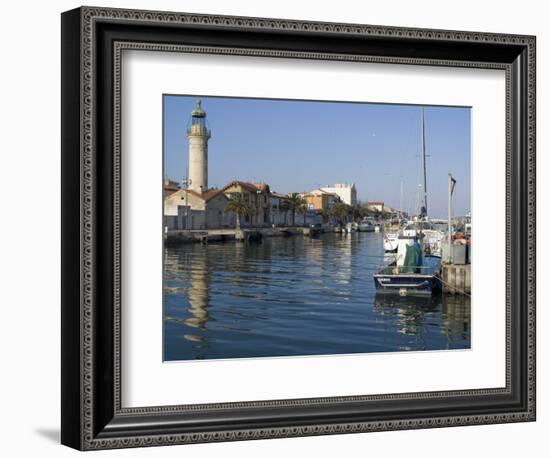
<point x="92" y="40"/>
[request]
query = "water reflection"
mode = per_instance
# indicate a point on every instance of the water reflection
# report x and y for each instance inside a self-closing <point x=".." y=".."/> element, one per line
<point x="418" y="317"/>
<point x="297" y="296"/>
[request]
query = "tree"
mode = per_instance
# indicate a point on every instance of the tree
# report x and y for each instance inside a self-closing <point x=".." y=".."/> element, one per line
<point x="238" y="205"/>
<point x="296" y="204"/>
<point x="358" y="212"/>
<point x="325" y="213"/>
<point x="340" y="212"/>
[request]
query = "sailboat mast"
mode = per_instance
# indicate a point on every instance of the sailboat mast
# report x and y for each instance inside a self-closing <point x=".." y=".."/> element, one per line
<point x="401" y="200"/>
<point x="424" y="195"/>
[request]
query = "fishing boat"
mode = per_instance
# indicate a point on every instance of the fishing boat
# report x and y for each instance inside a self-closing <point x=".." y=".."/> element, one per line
<point x="411" y="273"/>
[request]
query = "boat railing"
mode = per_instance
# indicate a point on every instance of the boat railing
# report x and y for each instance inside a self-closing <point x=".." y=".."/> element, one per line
<point x="395" y="270"/>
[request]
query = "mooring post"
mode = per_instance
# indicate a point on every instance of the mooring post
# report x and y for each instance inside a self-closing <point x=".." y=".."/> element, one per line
<point x="452" y="182"/>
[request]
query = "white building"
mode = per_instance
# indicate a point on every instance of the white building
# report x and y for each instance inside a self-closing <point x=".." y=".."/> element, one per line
<point x="186" y="209"/>
<point x="280" y="209"/>
<point x="346" y="192"/>
<point x="376" y="206"/>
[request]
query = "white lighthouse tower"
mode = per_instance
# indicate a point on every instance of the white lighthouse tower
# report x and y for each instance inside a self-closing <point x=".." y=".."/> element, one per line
<point x="198" y="135"/>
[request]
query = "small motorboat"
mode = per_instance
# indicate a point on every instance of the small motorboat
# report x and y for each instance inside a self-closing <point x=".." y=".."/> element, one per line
<point x="411" y="273"/>
<point x="366" y="226"/>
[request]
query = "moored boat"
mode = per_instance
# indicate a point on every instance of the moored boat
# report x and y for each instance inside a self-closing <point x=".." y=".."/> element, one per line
<point x="366" y="226"/>
<point x="411" y="273"/>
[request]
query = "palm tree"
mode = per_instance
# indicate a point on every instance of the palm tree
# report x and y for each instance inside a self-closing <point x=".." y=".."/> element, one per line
<point x="358" y="212"/>
<point x="340" y="212"/>
<point x="325" y="213"/>
<point x="238" y="205"/>
<point x="296" y="204"/>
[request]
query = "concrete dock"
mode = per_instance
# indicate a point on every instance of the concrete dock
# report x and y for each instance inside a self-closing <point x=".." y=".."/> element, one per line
<point x="456" y="278"/>
<point x="174" y="237"/>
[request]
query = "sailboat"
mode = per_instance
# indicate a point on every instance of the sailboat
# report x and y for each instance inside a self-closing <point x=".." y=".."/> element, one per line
<point x="415" y="269"/>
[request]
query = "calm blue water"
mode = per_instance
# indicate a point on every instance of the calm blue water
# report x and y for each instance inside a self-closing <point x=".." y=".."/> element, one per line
<point x="297" y="296"/>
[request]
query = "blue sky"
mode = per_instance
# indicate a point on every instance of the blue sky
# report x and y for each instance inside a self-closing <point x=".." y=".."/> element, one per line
<point x="297" y="146"/>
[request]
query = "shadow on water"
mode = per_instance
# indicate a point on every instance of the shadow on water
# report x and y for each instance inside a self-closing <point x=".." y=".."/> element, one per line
<point x="297" y="296"/>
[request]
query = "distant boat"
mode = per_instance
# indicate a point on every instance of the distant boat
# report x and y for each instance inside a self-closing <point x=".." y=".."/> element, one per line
<point x="366" y="226"/>
<point x="351" y="227"/>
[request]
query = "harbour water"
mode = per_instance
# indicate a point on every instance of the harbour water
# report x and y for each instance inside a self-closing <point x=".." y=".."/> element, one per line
<point x="297" y="296"/>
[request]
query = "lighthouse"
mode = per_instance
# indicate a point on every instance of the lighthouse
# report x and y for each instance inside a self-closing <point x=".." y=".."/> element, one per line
<point x="198" y="135"/>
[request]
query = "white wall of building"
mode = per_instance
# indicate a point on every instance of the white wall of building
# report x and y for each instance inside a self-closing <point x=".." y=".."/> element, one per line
<point x="346" y="192"/>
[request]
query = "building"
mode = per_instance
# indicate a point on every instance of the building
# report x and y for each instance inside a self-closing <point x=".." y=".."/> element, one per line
<point x="280" y="209"/>
<point x="346" y="192"/>
<point x="375" y="207"/>
<point x="321" y="200"/>
<point x="186" y="209"/>
<point x="170" y="186"/>
<point x="310" y="217"/>
<point x="391" y="212"/>
<point x="258" y="197"/>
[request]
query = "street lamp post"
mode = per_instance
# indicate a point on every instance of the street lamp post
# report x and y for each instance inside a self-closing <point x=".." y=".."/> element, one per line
<point x="258" y="206"/>
<point x="185" y="183"/>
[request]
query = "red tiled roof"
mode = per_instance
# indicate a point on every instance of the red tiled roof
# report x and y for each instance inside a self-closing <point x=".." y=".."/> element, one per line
<point x="170" y="185"/>
<point x="252" y="187"/>
<point x="211" y="193"/>
<point x="261" y="187"/>
<point x="206" y="196"/>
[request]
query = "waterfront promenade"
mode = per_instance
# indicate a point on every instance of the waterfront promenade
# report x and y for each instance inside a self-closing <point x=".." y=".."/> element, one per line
<point x="226" y="234"/>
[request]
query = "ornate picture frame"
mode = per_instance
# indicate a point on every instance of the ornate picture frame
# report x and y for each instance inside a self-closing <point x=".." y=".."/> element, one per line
<point x="93" y="416"/>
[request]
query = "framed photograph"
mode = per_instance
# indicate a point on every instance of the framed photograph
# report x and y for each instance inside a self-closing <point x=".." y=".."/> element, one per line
<point x="276" y="228"/>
